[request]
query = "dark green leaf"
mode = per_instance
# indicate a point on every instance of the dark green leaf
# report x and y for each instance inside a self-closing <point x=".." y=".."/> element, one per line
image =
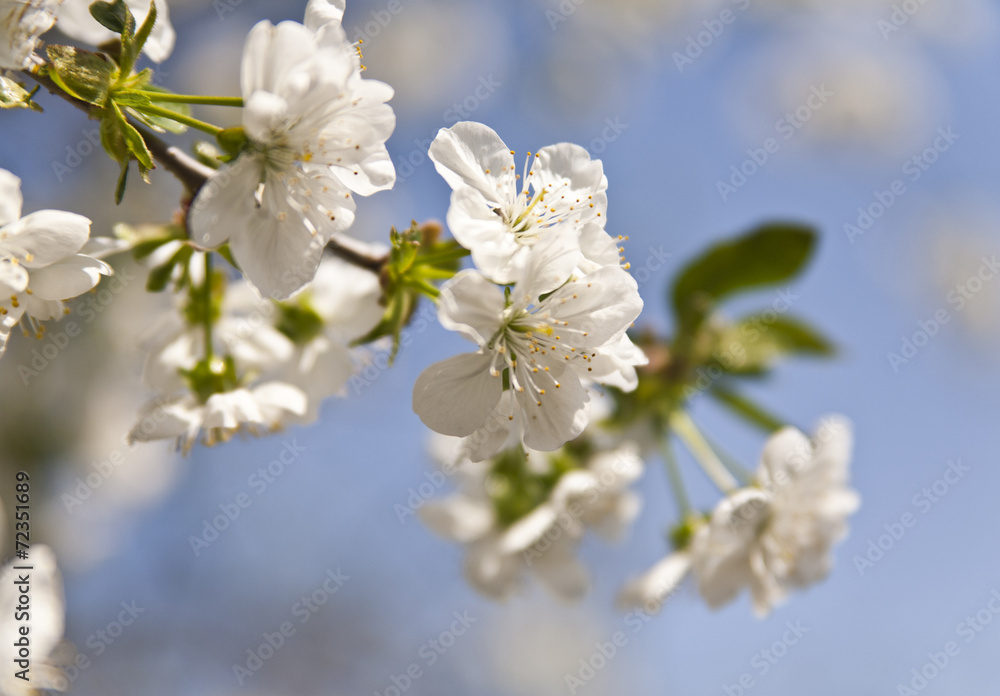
<point x="754" y="344"/>
<point x="113" y="15"/>
<point x="771" y="254"/>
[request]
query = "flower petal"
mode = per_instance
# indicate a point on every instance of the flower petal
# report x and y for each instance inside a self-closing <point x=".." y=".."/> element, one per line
<point x="471" y="305"/>
<point x="456" y="396"/>
<point x="45" y="237"/>
<point x="472" y="154"/>
<point x="68" y="278"/>
<point x="563" y="413"/>
<point x="10" y="196"/>
<point x="650" y="590"/>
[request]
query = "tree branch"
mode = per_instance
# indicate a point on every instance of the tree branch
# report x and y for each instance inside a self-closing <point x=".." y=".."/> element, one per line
<point x="193" y="175"/>
<point x="189" y="171"/>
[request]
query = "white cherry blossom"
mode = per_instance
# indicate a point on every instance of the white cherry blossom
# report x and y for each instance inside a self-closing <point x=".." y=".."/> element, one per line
<point x="40" y="263"/>
<point x="340" y="305"/>
<point x="539" y="345"/>
<point x="778" y="536"/>
<point x="562" y="192"/>
<point x="21" y="23"/>
<point x="317" y="133"/>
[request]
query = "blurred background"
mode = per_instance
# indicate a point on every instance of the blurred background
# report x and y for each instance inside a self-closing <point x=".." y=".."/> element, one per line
<point x="676" y="97"/>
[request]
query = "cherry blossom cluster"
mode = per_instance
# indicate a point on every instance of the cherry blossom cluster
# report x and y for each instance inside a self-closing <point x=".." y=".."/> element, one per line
<point x="548" y="304"/>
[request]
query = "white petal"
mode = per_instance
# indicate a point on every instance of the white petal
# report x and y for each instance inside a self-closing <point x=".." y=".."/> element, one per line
<point x="68" y="278"/>
<point x="45" y="237"/>
<point x="225" y="203"/>
<point x="786" y="454"/>
<point x="276" y="252"/>
<point x="547" y="265"/>
<point x="10" y="195"/>
<point x="161" y="420"/>
<point x="346" y="297"/>
<point x="321" y="12"/>
<point x="458" y="518"/>
<point x="265" y="116"/>
<point x="603" y="303"/>
<point x="650" y="590"/>
<point x="463" y="153"/>
<point x="276" y="399"/>
<point x="21" y="23"/>
<point x="560" y="570"/>
<point x="563" y="413"/>
<point x="615" y="363"/>
<point x="491" y="572"/>
<point x="13" y="278"/>
<point x="528" y="530"/>
<point x="471" y="305"/>
<point x="456" y="396"/>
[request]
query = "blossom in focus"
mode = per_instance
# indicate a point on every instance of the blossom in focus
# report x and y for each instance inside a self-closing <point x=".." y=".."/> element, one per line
<point x="537" y="348"/>
<point x="562" y="193"/>
<point x="317" y="133"/>
<point x="40" y="262"/>
<point x="543" y="540"/>
<point x="21" y="23"/>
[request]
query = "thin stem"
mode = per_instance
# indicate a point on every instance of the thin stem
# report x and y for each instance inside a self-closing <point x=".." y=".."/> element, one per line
<point x="686" y="430"/>
<point x="180" y="118"/>
<point x="676" y="482"/>
<point x="206" y="298"/>
<point x="191" y="99"/>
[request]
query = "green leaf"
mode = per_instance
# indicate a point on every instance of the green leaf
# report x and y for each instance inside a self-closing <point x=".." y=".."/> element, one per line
<point x="13" y="95"/>
<point x="83" y="74"/>
<point x="112" y="15"/>
<point x="771" y="254"/>
<point x="133" y="139"/>
<point x="142" y="35"/>
<point x="755" y="343"/>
